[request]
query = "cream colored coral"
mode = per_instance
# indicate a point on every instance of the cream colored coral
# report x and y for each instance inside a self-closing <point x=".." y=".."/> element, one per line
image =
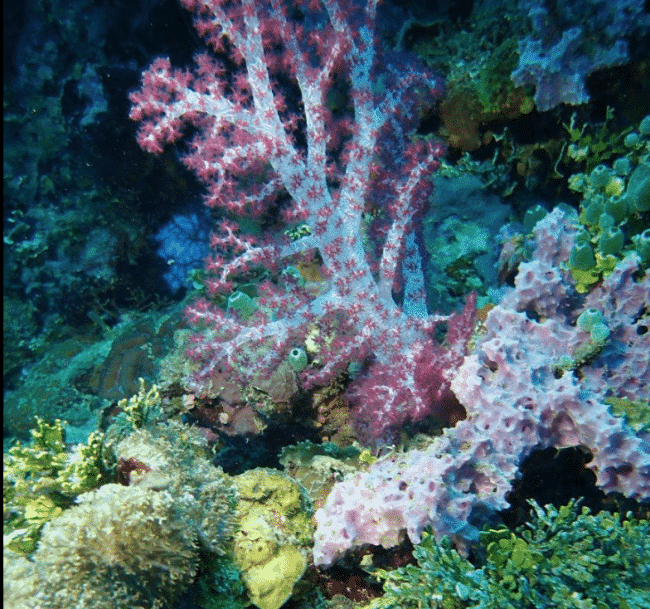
<point x="176" y="457"/>
<point x="136" y="546"/>
<point x="120" y="547"/>
<point x="19" y="582"/>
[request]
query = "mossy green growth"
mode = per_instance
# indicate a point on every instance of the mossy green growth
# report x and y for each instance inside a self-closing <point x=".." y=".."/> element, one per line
<point x="41" y="479"/>
<point x="639" y="187"/>
<point x="594" y="144"/>
<point x="642" y="245"/>
<point x="503" y="547"/>
<point x="563" y="558"/>
<point x="273" y="536"/>
<point x="586" y="278"/>
<point x="635" y="412"/>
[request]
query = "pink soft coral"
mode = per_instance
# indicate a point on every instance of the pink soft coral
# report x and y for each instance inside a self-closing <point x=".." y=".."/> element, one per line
<point x="387" y="399"/>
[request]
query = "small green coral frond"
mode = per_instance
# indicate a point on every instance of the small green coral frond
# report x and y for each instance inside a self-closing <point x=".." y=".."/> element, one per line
<point x="45" y="454"/>
<point x="139" y="407"/>
<point x="442" y="579"/>
<point x="42" y="478"/>
<point x="84" y="469"/>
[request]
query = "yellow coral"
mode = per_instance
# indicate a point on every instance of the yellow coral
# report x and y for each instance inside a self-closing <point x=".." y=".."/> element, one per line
<point x="273" y="536"/>
<point x="271" y="584"/>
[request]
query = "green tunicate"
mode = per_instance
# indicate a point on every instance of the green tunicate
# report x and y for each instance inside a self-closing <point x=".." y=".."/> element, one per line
<point x="582" y="257"/>
<point x="298" y="359"/>
<point x="600" y="176"/>
<point x="599" y="333"/>
<point x="632" y="139"/>
<point x="589" y="318"/>
<point x="532" y="216"/>
<point x="242" y="303"/>
<point x="617" y="207"/>
<point x="583" y="236"/>
<point x="592" y="212"/>
<point x="611" y="241"/>
<point x="639" y="187"/>
<point x="605" y="221"/>
<point x="622" y="166"/>
<point x="644" y="126"/>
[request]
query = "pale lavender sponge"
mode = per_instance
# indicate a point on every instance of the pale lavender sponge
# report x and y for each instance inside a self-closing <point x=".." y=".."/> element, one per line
<point x="517" y="398"/>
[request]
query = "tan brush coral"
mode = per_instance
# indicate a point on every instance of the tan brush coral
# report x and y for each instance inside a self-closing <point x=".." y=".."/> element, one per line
<point x="120" y="547"/>
<point x="135" y="546"/>
<point x="174" y="457"/>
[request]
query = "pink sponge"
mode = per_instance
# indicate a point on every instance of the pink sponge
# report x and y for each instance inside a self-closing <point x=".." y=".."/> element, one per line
<point x="517" y="398"/>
